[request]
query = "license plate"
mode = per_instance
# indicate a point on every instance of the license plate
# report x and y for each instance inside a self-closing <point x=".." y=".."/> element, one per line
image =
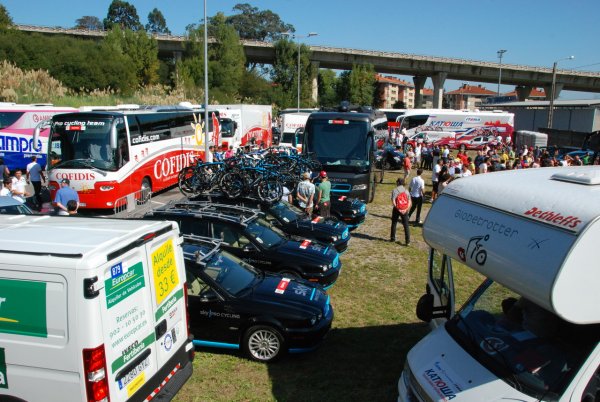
<point x="134" y="373"/>
<point x="82" y="204"/>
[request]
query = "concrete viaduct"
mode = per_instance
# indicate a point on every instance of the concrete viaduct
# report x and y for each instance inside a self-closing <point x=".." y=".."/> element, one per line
<point x="419" y="67"/>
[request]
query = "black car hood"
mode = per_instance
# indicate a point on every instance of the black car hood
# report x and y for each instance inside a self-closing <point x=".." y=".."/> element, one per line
<point x="309" y="251"/>
<point x="326" y="226"/>
<point x="292" y="292"/>
<point x="342" y="203"/>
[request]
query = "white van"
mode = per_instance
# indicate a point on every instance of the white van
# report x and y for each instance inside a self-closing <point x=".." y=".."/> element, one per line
<point x="91" y="310"/>
<point x="531" y="330"/>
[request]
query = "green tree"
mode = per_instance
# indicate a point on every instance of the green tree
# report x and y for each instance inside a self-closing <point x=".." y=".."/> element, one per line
<point x="157" y="23"/>
<point x="255" y="89"/>
<point x="5" y="19"/>
<point x="124" y="15"/>
<point x="285" y="73"/>
<point x="399" y="105"/>
<point x="362" y="84"/>
<point x="89" y="22"/>
<point x="140" y="50"/>
<point x="342" y="87"/>
<point x="328" y="82"/>
<point x="250" y="23"/>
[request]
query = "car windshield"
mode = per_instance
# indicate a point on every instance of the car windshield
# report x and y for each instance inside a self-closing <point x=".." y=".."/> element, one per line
<point x="265" y="234"/>
<point x="532" y="349"/>
<point x="284" y="212"/>
<point x="232" y="274"/>
<point x="7" y="207"/>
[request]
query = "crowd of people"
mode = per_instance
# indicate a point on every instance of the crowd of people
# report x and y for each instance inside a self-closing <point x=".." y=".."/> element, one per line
<point x="446" y="166"/>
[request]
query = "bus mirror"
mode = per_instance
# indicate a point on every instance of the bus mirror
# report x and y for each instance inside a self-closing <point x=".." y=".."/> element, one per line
<point x="114" y="134"/>
<point x="36" y="132"/>
<point x="425" y="307"/>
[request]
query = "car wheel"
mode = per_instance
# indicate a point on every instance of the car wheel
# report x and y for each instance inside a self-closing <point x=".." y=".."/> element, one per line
<point x="263" y="343"/>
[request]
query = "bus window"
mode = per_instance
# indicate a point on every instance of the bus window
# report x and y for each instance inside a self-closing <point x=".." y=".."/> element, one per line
<point x="414" y="121"/>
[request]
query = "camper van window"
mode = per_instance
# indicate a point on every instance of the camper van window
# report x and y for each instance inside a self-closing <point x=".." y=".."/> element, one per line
<point x="540" y="363"/>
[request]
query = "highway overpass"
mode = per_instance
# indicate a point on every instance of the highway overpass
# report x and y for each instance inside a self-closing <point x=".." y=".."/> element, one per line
<point x="439" y="69"/>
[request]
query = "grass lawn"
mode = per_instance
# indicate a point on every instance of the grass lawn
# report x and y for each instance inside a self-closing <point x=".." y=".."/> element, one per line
<point x="375" y="325"/>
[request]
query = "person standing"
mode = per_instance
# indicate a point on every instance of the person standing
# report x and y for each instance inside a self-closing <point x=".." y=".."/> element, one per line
<point x="400" y="192"/>
<point x="417" y="191"/>
<point x="19" y="185"/>
<point x="4" y="169"/>
<point x="63" y="196"/>
<point x="36" y="176"/>
<point x="406" y="166"/>
<point x="306" y="193"/>
<point x="435" y="178"/>
<point x="323" y="195"/>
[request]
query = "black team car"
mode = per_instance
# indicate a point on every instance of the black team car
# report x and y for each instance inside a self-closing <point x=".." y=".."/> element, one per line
<point x="351" y="211"/>
<point x="235" y="306"/>
<point x="293" y="221"/>
<point x="248" y="235"/>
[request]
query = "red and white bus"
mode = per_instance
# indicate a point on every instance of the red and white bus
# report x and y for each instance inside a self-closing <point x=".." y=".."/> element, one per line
<point x="17" y="123"/>
<point x="109" y="154"/>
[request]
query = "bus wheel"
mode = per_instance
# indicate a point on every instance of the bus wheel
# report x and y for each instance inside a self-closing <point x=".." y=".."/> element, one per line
<point x="145" y="191"/>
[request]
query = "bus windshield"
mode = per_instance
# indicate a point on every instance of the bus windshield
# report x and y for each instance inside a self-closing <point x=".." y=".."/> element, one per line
<point x="82" y="142"/>
<point x="340" y="143"/>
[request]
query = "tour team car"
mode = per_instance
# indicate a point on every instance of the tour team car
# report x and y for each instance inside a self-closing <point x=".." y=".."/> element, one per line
<point x="247" y="235"/>
<point x="351" y="211"/>
<point x="295" y="222"/>
<point x="235" y="306"/>
<point x="531" y="330"/>
<point x="92" y="310"/>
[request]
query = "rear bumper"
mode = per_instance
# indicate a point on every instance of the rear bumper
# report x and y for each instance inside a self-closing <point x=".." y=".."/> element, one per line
<point x="165" y="384"/>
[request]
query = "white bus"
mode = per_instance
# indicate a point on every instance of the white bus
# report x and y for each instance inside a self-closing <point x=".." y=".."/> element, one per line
<point x="109" y="154"/>
<point x="531" y="330"/>
<point x="459" y="121"/>
<point x="17" y="123"/>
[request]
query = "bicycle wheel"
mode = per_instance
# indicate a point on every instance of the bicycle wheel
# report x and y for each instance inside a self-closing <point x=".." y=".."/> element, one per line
<point x="269" y="190"/>
<point x="232" y="184"/>
<point x="188" y="182"/>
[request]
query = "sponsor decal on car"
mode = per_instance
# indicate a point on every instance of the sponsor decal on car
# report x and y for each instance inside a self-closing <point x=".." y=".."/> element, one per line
<point x="304" y="245"/>
<point x="554" y="218"/>
<point x="443" y="381"/>
<point x="282" y="286"/>
<point x="317" y="219"/>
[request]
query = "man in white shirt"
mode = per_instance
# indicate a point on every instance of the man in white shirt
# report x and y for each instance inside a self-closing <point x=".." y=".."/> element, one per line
<point x="466" y="172"/>
<point x="306" y="193"/>
<point x="36" y="176"/>
<point x="19" y="185"/>
<point x="417" y="190"/>
<point x="435" y="175"/>
<point x="6" y="188"/>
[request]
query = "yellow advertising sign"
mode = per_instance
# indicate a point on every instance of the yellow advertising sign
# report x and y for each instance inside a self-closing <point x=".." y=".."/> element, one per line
<point x="164" y="268"/>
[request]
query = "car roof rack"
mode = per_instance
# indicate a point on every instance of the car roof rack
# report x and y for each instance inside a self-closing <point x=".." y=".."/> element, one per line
<point x="231" y="213"/>
<point x="213" y="244"/>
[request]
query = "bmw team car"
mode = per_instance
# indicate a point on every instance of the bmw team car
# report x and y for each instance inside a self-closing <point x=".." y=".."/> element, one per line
<point x="295" y="222"/>
<point x="234" y="306"/>
<point x="249" y="236"/>
<point x="351" y="211"/>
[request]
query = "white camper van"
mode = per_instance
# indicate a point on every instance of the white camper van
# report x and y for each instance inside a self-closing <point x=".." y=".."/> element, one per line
<point x="91" y="310"/>
<point x="292" y="129"/>
<point x="531" y="331"/>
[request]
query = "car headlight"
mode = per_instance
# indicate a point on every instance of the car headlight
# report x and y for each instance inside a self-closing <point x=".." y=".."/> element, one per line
<point x="334" y="239"/>
<point x="354" y="212"/>
<point x="359" y="187"/>
<point x="313" y="320"/>
<point x="325" y="267"/>
<point x="396" y="159"/>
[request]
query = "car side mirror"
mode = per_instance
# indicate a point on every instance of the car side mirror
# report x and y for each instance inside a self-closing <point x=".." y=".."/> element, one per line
<point x="425" y="307"/>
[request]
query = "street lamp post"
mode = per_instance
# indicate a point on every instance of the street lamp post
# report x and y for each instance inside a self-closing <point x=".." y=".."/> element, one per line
<point x="206" y="138"/>
<point x="294" y="36"/>
<point x="553" y="90"/>
<point x="500" y="54"/>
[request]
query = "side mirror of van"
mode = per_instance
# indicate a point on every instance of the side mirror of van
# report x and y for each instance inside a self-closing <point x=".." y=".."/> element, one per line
<point x="425" y="307"/>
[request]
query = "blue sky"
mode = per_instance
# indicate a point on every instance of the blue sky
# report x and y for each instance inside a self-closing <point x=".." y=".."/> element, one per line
<point x="534" y="32"/>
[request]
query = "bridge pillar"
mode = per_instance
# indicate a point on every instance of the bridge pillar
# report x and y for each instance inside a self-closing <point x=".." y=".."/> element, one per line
<point x="557" y="88"/>
<point x="419" y="82"/>
<point x="523" y="92"/>
<point x="438" y="80"/>
<point x="177" y="55"/>
<point x="315" y="82"/>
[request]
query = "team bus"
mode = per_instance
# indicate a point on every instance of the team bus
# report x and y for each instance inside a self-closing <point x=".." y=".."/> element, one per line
<point x="344" y="142"/>
<point x="109" y="154"/>
<point x="17" y="123"/>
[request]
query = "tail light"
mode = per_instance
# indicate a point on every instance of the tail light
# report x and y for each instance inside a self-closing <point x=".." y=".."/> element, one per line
<point x="187" y="314"/>
<point x="94" y="368"/>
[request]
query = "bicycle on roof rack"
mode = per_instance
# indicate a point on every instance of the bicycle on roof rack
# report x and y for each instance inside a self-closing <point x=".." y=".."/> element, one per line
<point x="200" y="178"/>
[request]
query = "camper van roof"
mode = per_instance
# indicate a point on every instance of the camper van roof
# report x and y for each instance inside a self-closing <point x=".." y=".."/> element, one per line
<point x="568" y="192"/>
<point x="70" y="237"/>
<point x="534" y="230"/>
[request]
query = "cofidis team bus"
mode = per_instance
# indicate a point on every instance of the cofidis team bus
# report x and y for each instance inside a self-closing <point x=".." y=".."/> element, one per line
<point x="111" y="153"/>
<point x="344" y="142"/>
<point x="17" y="123"/>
